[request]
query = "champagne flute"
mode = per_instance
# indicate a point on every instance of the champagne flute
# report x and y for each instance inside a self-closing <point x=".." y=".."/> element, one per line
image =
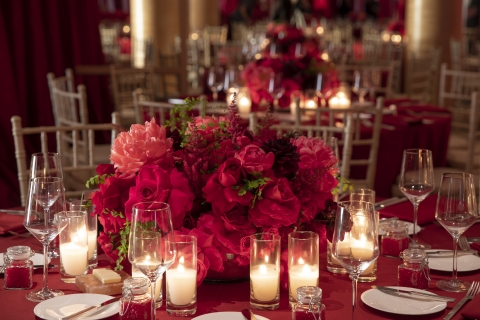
<point x="362" y="84"/>
<point x="416" y="183"/>
<point x="275" y="88"/>
<point x="216" y="80"/>
<point x="355" y="240"/>
<point x="456" y="211"/>
<point x="151" y="246"/>
<point x="44" y="225"/>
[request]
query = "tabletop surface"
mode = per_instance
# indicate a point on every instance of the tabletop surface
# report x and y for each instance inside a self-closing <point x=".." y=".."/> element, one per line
<point x="234" y="296"/>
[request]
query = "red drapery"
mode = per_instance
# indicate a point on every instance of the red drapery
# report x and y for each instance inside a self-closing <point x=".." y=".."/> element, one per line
<point x="37" y="37"/>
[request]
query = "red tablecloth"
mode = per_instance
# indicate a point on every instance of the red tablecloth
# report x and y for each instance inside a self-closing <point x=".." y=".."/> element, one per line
<point x="214" y="297"/>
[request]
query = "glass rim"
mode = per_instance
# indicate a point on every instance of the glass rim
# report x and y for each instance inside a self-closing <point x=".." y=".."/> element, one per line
<point x="275" y="236"/>
<point x="164" y="206"/>
<point x="74" y="213"/>
<point x="193" y="239"/>
<point x="314" y="235"/>
<point x="48" y="153"/>
<point x="457" y="175"/>
<point x="413" y="151"/>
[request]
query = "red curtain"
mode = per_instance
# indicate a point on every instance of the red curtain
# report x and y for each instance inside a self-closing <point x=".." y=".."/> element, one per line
<point x="37" y="37"/>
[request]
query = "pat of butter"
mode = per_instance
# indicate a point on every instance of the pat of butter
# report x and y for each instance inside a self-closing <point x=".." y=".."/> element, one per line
<point x="106" y="275"/>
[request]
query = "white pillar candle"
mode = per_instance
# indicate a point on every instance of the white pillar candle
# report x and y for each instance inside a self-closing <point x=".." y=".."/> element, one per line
<point x="265" y="282"/>
<point x="302" y="275"/>
<point x="363" y="250"/>
<point x="244" y="105"/>
<point x="74" y="257"/>
<point x="181" y="285"/>
<point x="92" y="243"/>
<point x="158" y="283"/>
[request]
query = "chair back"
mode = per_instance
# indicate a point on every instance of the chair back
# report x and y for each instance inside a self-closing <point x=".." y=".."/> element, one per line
<point x="422" y="76"/>
<point x="146" y="109"/>
<point x="78" y="152"/>
<point x="66" y="104"/>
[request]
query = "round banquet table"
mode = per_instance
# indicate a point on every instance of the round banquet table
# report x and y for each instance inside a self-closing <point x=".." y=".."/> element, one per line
<point x="234" y="296"/>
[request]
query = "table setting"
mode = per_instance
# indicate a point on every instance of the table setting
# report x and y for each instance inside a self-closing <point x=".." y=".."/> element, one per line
<point x="204" y="204"/>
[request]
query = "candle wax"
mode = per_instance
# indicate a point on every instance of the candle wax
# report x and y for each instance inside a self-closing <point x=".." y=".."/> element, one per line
<point x="181" y="285"/>
<point x="74" y="258"/>
<point x="265" y="280"/>
<point x="302" y="275"/>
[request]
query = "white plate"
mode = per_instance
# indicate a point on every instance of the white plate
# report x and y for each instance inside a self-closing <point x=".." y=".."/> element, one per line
<point x="37" y="259"/>
<point x="225" y="315"/>
<point x="62" y="306"/>
<point x="399" y="305"/>
<point x="465" y="263"/>
<point x="410" y="229"/>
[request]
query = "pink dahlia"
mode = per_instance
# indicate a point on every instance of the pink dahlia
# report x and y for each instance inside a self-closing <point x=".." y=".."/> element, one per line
<point x="143" y="144"/>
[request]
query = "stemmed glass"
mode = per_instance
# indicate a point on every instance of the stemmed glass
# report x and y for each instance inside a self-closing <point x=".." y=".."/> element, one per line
<point x="355" y="240"/>
<point x="43" y="192"/>
<point x="216" y="78"/>
<point x="416" y="183"/>
<point x="275" y="88"/>
<point x="48" y="164"/>
<point x="456" y="211"/>
<point x="362" y="83"/>
<point x="321" y="87"/>
<point x="151" y="244"/>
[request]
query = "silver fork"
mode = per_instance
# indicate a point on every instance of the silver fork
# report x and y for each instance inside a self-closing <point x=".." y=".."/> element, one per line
<point x="464" y="245"/>
<point x="472" y="292"/>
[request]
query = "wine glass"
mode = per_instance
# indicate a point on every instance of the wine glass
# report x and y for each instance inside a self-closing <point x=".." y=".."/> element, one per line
<point x="322" y="87"/>
<point x="275" y="88"/>
<point x="456" y="211"/>
<point x="44" y="225"/>
<point x="416" y="183"/>
<point x="355" y="240"/>
<point x="362" y="83"/>
<point x="151" y="246"/>
<point x="216" y="78"/>
<point x="48" y="164"/>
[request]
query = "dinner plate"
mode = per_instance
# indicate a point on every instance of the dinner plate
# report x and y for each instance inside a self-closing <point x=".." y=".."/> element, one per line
<point x="225" y="315"/>
<point x="62" y="306"/>
<point x="465" y="263"/>
<point x="37" y="259"/>
<point x="410" y="228"/>
<point x="401" y="305"/>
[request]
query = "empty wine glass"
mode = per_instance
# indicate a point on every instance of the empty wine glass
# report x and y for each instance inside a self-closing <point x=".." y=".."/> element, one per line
<point x="275" y="88"/>
<point x="216" y="78"/>
<point x="362" y="83"/>
<point x="416" y="183"/>
<point x="232" y="78"/>
<point x="43" y="225"/>
<point x="151" y="246"/>
<point x="456" y="211"/>
<point x="355" y="240"/>
<point x="322" y="87"/>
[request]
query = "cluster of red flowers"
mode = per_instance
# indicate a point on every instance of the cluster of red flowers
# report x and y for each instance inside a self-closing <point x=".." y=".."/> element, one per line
<point x="222" y="183"/>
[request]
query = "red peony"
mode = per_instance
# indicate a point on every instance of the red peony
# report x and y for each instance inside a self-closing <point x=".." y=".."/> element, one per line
<point x="254" y="159"/>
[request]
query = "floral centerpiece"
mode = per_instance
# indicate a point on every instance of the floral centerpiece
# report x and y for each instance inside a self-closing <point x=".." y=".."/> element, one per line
<point x="296" y="57"/>
<point x="223" y="183"/>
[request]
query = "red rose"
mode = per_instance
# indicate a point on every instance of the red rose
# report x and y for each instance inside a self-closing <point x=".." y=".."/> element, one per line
<point x="278" y="206"/>
<point x="254" y="159"/>
<point x="229" y="172"/>
<point x="237" y="220"/>
<point x="105" y="169"/>
<point x="113" y="194"/>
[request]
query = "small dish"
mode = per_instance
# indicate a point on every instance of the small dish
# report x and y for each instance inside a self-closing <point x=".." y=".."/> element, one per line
<point x="225" y="315"/>
<point x="62" y="306"/>
<point x="401" y="305"/>
<point x="410" y="229"/>
<point x="464" y="263"/>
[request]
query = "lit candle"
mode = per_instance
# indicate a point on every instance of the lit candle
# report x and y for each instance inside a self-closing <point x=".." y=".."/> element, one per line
<point x="310" y="104"/>
<point x="244" y="105"/>
<point x="302" y="275"/>
<point x="363" y="250"/>
<point x="181" y="285"/>
<point x="158" y="283"/>
<point x="265" y="281"/>
<point x="74" y="257"/>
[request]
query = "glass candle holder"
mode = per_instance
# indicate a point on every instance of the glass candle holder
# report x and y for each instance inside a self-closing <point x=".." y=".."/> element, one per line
<point x="18" y="268"/>
<point x="136" y="302"/>
<point x="74" y="246"/>
<point x="182" y="278"/>
<point x="244" y="102"/>
<point x="303" y="261"/>
<point x="92" y="227"/>
<point x="265" y="271"/>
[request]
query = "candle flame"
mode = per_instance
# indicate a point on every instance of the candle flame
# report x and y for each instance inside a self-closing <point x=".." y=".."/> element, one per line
<point x="267" y="258"/>
<point x="181" y="260"/>
<point x="301" y="261"/>
<point x="306" y="269"/>
<point x="263" y="269"/>
<point x="181" y="268"/>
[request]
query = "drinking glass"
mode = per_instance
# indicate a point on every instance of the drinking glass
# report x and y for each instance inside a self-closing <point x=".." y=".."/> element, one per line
<point x="44" y="225"/>
<point x="151" y="246"/>
<point x="456" y="211"/>
<point x="275" y="88"/>
<point x="416" y="183"/>
<point x="355" y="240"/>
<point x="48" y="164"/>
<point x="322" y="87"/>
<point x="362" y="83"/>
<point x="92" y="228"/>
<point x="216" y="78"/>
<point x="232" y="78"/>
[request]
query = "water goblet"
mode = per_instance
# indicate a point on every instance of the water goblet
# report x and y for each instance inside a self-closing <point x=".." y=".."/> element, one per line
<point x="275" y="88"/>
<point x="456" y="211"/>
<point x="216" y="78"/>
<point x="322" y="87"/>
<point x="355" y="240"/>
<point x="151" y="246"/>
<point x="362" y="84"/>
<point x="44" y="225"/>
<point x="416" y="183"/>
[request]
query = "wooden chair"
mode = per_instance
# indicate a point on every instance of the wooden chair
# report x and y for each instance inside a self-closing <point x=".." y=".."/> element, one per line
<point x="72" y="171"/>
<point x="146" y="109"/>
<point x="422" y="76"/>
<point x="65" y="84"/>
<point x="348" y="131"/>
<point x="458" y="92"/>
<point x="123" y="82"/>
<point x="212" y="36"/>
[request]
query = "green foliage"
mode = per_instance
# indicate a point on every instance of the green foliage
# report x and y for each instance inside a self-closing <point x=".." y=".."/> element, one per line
<point x="180" y="115"/>
<point x="123" y="247"/>
<point x="344" y="184"/>
<point x="97" y="180"/>
<point x="253" y="186"/>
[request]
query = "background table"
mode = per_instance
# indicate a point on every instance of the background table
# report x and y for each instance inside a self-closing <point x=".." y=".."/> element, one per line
<point x="214" y="297"/>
